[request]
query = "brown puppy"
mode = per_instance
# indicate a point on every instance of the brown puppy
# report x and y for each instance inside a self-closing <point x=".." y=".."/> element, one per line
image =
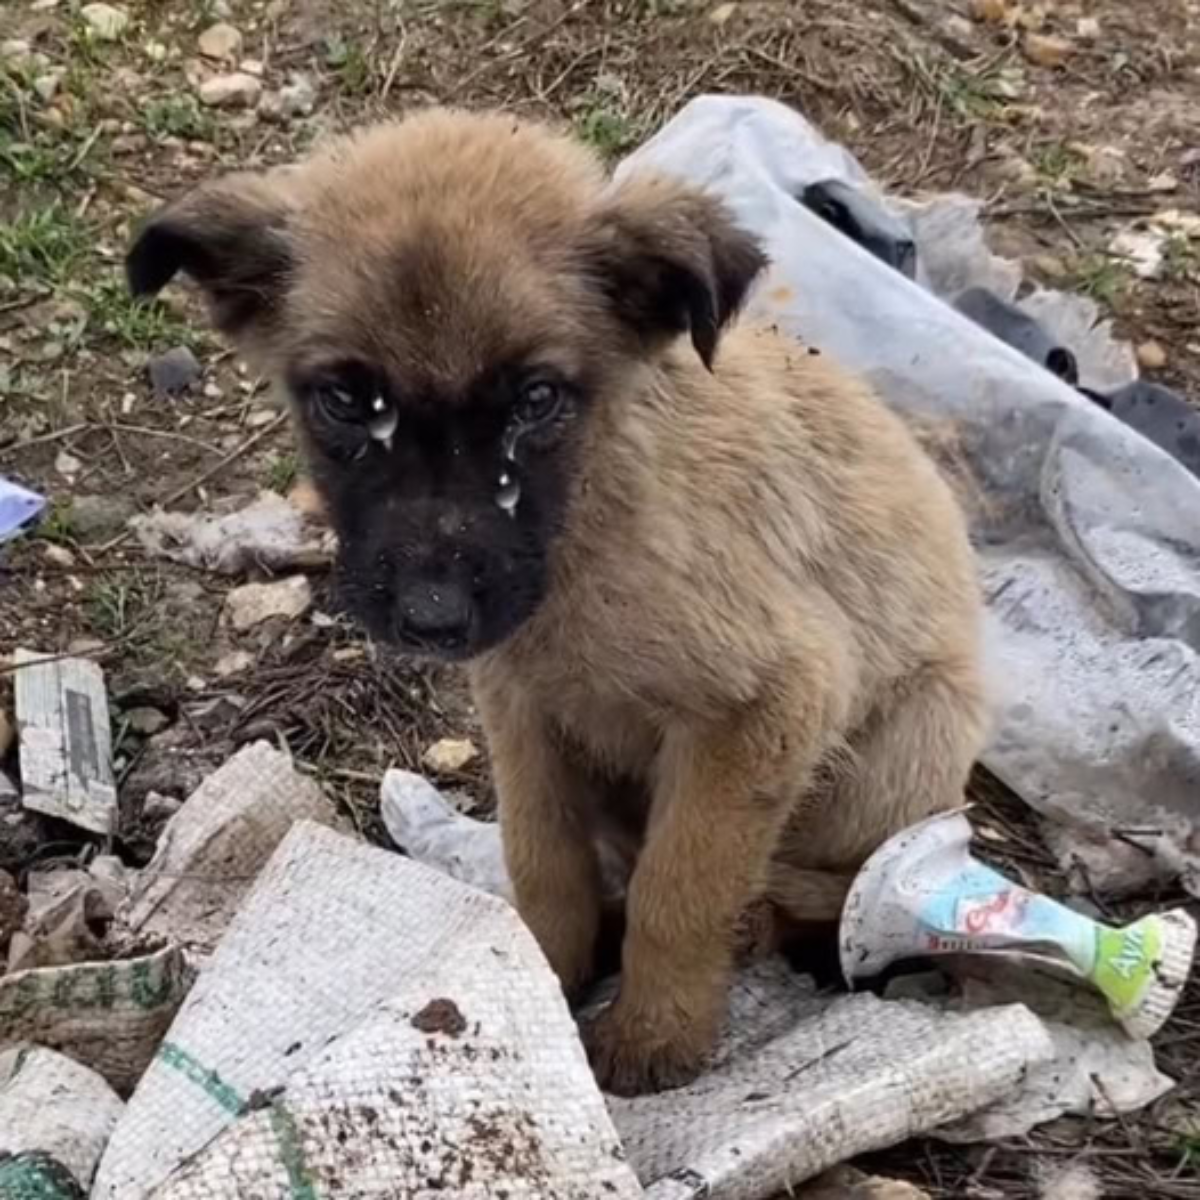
<point x="719" y="609"/>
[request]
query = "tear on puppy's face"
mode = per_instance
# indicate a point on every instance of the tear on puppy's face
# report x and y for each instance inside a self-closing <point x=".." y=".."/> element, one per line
<point x="448" y="302"/>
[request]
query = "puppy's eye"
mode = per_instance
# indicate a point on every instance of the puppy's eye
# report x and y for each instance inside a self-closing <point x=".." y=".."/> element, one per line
<point x="340" y="403"/>
<point x="539" y="402"/>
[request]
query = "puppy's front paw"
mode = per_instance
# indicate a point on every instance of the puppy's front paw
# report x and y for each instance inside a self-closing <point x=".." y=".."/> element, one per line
<point x="634" y="1053"/>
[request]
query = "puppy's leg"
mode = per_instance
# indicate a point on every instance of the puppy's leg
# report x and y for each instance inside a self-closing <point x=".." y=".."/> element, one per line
<point x="910" y="760"/>
<point x="545" y="826"/>
<point x="721" y="801"/>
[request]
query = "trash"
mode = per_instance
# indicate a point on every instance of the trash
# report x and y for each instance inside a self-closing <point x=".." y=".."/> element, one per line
<point x="56" y="1117"/>
<point x="173" y="371"/>
<point x="110" y="1016"/>
<point x="270" y="533"/>
<point x="1019" y="330"/>
<point x="65" y="741"/>
<point x="1160" y="416"/>
<point x="801" y="1083"/>
<point x="922" y="895"/>
<point x="18" y="506"/>
<point x="1093" y="1066"/>
<point x="370" y="1028"/>
<point x="450" y="755"/>
<point x="65" y="908"/>
<point x="1089" y="551"/>
<point x="854" y="213"/>
<point x="210" y="852"/>
<point x="1097" y="1070"/>
<point x="425" y="826"/>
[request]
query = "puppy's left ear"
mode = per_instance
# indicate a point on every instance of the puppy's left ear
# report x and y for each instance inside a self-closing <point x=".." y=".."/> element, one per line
<point x="672" y="261"/>
<point x="231" y="237"/>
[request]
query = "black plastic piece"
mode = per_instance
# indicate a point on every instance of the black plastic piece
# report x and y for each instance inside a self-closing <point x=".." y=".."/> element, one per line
<point x="1019" y="330"/>
<point x="862" y="220"/>
<point x="1159" y="415"/>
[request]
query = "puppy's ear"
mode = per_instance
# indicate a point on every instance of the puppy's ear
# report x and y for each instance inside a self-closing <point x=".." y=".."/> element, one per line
<point x="231" y="237"/>
<point x="672" y="261"/>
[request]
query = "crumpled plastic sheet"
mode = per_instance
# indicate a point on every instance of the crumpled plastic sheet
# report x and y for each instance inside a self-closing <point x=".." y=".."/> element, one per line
<point x="1086" y="533"/>
<point x="268" y="534"/>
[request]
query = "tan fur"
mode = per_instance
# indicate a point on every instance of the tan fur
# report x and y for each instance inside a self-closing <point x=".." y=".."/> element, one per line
<point x="759" y="655"/>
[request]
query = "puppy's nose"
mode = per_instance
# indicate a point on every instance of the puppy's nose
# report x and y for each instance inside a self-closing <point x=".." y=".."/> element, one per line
<point x="434" y="610"/>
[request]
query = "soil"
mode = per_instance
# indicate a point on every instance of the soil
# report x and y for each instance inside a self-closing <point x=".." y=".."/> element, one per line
<point x="1070" y="121"/>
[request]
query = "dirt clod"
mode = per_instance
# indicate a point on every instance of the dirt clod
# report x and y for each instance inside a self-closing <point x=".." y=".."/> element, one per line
<point x="441" y="1016"/>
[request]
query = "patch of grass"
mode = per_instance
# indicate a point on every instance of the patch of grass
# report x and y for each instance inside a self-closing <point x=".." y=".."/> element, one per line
<point x="1101" y="276"/>
<point x="349" y="61"/>
<point x="1181" y="258"/>
<point x="58" y="524"/>
<point x="113" y="606"/>
<point x="137" y="324"/>
<point x="179" y="115"/>
<point x="606" y="129"/>
<point x="1055" y="162"/>
<point x="282" y="472"/>
<point x="46" y="246"/>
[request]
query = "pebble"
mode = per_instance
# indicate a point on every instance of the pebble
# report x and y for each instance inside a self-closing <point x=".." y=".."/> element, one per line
<point x="238" y="90"/>
<point x="295" y="99"/>
<point x="99" y="517"/>
<point x="59" y="556"/>
<point x="67" y="465"/>
<point x="220" y="41"/>
<point x="158" y="809"/>
<point x="105" y="21"/>
<point x="16" y="51"/>
<point x="173" y="371"/>
<point x="993" y="11"/>
<point x="47" y="85"/>
<point x="146" y="720"/>
<point x="450" y="755"/>
<point x="253" y="603"/>
<point x="233" y="663"/>
<point x="1045" y="50"/>
<point x="1151" y="356"/>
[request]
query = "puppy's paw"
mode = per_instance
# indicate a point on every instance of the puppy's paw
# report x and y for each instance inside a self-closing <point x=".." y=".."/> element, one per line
<point x="633" y="1054"/>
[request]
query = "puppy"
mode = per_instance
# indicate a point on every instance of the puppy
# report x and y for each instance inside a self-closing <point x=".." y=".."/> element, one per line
<point x="719" y="610"/>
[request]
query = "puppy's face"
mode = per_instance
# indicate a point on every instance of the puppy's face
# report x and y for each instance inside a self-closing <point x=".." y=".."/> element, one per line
<point x="449" y="302"/>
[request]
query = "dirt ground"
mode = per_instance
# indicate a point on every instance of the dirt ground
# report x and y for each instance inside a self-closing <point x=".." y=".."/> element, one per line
<point x="1073" y="121"/>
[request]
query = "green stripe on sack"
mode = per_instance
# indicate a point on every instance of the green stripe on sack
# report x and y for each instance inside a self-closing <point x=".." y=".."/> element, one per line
<point x="203" y="1077"/>
<point x="291" y="1154"/>
<point x="36" y="1176"/>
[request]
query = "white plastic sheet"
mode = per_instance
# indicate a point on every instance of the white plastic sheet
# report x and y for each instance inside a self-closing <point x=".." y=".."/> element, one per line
<point x="1087" y="534"/>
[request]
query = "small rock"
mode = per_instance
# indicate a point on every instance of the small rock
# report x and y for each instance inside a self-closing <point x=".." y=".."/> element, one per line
<point x="7" y="733"/>
<point x="94" y="518"/>
<point x="260" y="418"/>
<point x="174" y="371"/>
<point x="82" y="647"/>
<point x="1087" y="28"/>
<point x="12" y="908"/>
<point x="233" y="663"/>
<point x="298" y="98"/>
<point x="993" y="12"/>
<point x="1051" y="267"/>
<point x="849" y="1183"/>
<point x="253" y="603"/>
<point x="252" y="66"/>
<point x="1165" y="181"/>
<point x="450" y="755"/>
<point x="105" y="21"/>
<point x="158" y="809"/>
<point x="1142" y="249"/>
<point x="1044" y="50"/>
<point x="146" y="721"/>
<point x="15" y="51"/>
<point x="59" y="556"/>
<point x="67" y="465"/>
<point x="238" y="90"/>
<point x="220" y="41"/>
<point x="306" y="500"/>
<point x="721" y="14"/>
<point x="47" y="85"/>
<point x="1151" y="356"/>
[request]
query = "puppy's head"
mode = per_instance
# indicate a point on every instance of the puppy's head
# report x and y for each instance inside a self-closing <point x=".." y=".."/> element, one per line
<point x="448" y="301"/>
